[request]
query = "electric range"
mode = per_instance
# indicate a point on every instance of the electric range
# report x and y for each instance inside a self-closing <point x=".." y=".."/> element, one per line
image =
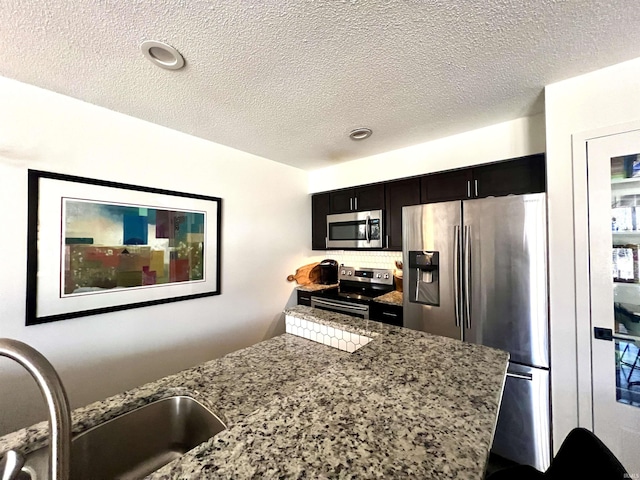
<point x="357" y="287"/>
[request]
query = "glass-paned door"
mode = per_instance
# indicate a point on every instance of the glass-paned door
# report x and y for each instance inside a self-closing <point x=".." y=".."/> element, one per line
<point x="613" y="173"/>
<point x="625" y="232"/>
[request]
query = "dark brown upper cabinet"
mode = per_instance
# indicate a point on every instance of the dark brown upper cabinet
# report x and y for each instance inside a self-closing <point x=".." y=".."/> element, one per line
<point x="446" y="186"/>
<point x="370" y="197"/>
<point x="319" y="212"/>
<point x="398" y="194"/>
<point x="517" y="176"/>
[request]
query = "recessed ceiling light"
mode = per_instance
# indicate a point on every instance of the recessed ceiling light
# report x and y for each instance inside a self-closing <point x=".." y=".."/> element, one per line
<point x="162" y="55"/>
<point x="360" y="133"/>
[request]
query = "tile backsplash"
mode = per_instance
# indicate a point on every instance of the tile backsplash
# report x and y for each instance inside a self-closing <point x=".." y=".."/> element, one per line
<point x="326" y="334"/>
<point x="366" y="259"/>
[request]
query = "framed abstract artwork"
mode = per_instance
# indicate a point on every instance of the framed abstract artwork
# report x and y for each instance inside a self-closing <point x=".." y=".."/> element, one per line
<point x="96" y="246"/>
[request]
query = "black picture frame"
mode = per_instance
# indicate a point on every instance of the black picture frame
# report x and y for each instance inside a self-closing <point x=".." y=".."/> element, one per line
<point x="49" y="195"/>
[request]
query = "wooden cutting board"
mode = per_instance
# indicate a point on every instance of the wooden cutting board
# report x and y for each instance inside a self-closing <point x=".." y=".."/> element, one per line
<point x="307" y="274"/>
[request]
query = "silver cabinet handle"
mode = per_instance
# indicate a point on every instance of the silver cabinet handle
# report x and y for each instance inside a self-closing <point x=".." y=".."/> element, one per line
<point x="468" y="188"/>
<point x="350" y="203"/>
<point x="356" y="202"/>
<point x="520" y="376"/>
<point x="456" y="273"/>
<point x="389" y="314"/>
<point x="467" y="273"/>
<point x="387" y="241"/>
<point x="475" y="184"/>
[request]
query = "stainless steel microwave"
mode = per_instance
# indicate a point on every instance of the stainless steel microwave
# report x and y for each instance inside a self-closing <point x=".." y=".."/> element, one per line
<point x="355" y="230"/>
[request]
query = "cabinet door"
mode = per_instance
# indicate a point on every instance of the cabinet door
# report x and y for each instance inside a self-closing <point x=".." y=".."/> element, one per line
<point x="370" y="197"/>
<point x="446" y="186"/>
<point x="304" y="298"/>
<point x="390" y="314"/>
<point x="319" y="211"/>
<point x="341" y="201"/>
<point x="398" y="194"/>
<point x="518" y="176"/>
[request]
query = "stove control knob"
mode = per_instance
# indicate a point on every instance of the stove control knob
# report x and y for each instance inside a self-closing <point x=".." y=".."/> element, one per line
<point x="378" y="275"/>
<point x="386" y="276"/>
<point x="349" y="273"/>
<point x="342" y="272"/>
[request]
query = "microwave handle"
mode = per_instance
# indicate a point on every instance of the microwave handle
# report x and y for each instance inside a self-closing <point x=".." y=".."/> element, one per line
<point x="367" y="229"/>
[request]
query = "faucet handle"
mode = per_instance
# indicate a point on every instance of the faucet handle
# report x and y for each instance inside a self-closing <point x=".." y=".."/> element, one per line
<point x="10" y="465"/>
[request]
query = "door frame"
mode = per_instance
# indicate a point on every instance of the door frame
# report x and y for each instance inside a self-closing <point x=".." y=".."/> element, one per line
<point x="581" y="265"/>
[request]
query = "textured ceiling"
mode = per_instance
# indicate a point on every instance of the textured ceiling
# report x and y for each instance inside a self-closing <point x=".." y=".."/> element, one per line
<point x="287" y="80"/>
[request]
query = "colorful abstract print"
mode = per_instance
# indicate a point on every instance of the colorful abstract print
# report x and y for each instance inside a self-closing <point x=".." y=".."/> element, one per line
<point x="110" y="246"/>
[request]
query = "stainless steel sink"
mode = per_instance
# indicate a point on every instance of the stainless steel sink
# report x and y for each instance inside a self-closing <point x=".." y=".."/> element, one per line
<point x="135" y="444"/>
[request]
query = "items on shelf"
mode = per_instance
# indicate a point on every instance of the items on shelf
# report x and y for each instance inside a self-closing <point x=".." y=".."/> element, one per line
<point x="626" y="268"/>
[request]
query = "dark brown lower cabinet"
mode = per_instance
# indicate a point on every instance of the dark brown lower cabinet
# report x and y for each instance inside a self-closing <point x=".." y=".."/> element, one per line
<point x="383" y="312"/>
<point x="304" y="298"/>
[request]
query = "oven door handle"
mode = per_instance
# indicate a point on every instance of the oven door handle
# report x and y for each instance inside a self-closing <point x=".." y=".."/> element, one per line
<point x="343" y="306"/>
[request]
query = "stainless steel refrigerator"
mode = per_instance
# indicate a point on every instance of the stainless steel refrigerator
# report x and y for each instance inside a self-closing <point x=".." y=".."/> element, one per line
<point x="476" y="270"/>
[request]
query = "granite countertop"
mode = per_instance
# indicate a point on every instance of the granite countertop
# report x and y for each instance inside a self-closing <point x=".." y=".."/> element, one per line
<point x="315" y="287"/>
<point x="391" y="298"/>
<point x="408" y="404"/>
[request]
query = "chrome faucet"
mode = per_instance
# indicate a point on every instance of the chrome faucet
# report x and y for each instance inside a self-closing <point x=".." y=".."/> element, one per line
<point x="59" y="413"/>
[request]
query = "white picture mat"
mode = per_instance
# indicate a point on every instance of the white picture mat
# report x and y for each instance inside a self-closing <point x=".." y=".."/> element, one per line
<point x="50" y="247"/>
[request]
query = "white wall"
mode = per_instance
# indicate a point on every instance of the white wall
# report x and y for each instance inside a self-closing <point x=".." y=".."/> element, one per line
<point x="266" y="235"/>
<point x="516" y="138"/>
<point x="599" y="99"/>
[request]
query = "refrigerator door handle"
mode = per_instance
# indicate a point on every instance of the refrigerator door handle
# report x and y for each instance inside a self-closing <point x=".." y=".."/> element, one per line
<point x="520" y="376"/>
<point x="467" y="274"/>
<point x="456" y="274"/>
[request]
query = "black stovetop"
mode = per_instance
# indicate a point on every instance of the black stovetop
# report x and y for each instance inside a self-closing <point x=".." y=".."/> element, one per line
<point x="355" y="292"/>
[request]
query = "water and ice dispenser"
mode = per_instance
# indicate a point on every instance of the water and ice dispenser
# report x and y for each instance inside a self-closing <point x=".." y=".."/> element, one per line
<point x="424" y="277"/>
